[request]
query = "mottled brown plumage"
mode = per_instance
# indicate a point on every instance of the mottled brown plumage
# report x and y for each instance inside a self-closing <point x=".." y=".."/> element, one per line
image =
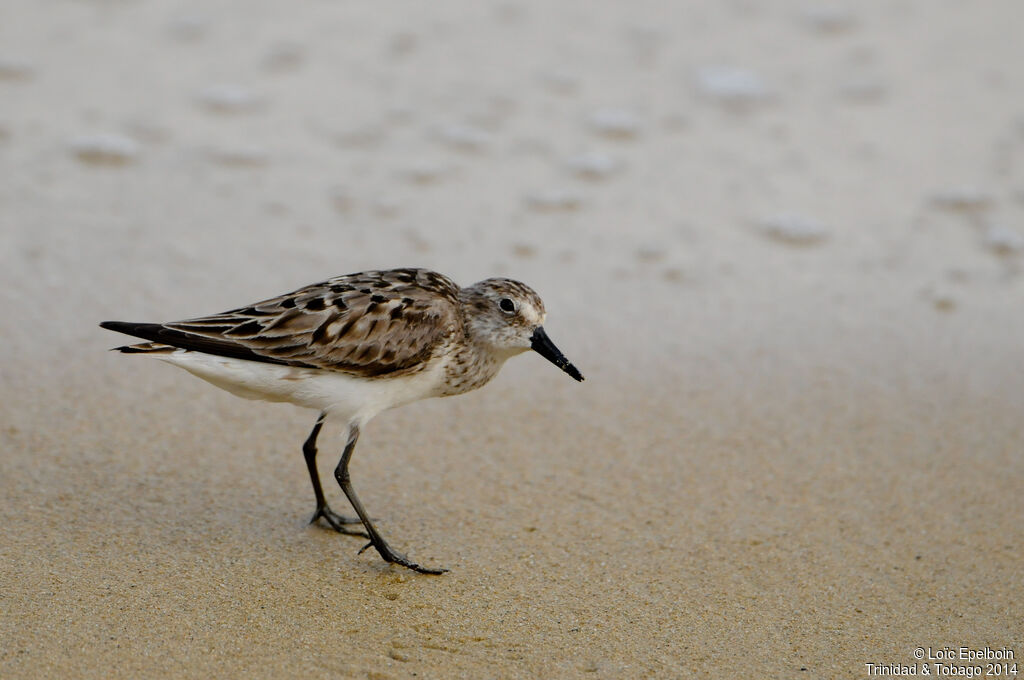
<point x="353" y="346"/>
<point x="369" y="324"/>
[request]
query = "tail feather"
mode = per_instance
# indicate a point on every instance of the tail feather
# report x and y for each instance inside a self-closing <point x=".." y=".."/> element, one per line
<point x="158" y="334"/>
<point x="139" y="330"/>
<point x="147" y="331"/>
<point x="143" y="348"/>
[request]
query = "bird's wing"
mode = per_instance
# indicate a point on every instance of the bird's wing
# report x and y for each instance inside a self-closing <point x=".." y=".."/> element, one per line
<point x="367" y="324"/>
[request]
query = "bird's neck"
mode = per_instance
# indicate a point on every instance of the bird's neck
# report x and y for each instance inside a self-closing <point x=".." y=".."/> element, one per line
<point x="472" y="366"/>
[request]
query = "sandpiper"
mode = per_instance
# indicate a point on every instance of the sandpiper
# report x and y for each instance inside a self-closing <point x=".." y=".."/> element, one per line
<point x="353" y="346"/>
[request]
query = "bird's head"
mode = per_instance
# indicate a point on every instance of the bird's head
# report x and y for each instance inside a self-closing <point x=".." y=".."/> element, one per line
<point x="508" y="317"/>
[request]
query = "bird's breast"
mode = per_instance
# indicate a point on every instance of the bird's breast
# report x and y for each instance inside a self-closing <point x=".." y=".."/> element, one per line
<point x="469" y="369"/>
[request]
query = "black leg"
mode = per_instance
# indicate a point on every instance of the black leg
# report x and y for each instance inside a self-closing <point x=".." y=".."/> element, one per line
<point x="376" y="540"/>
<point x="332" y="518"/>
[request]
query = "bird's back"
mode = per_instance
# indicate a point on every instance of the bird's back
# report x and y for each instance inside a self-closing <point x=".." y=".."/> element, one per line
<point x="369" y="324"/>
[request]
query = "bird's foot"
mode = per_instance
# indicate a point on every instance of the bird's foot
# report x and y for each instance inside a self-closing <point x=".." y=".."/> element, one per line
<point x="389" y="555"/>
<point x="338" y="522"/>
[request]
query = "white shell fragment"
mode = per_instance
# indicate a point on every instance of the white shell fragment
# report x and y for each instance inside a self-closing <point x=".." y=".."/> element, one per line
<point x="105" y="148"/>
<point x="1002" y="240"/>
<point x="230" y="99"/>
<point x="593" y="165"/>
<point x="793" y="229"/>
<point x="963" y="199"/>
<point x="423" y="171"/>
<point x="736" y="88"/>
<point x="615" y="123"/>
<point x="463" y="137"/>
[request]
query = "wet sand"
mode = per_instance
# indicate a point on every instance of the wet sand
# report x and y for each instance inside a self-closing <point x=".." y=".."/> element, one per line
<point x="784" y="246"/>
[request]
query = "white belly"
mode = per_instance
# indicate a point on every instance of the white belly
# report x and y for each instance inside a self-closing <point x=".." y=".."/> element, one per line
<point x="349" y="397"/>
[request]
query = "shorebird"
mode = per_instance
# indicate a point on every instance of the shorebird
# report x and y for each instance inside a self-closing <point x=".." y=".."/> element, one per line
<point x="353" y="346"/>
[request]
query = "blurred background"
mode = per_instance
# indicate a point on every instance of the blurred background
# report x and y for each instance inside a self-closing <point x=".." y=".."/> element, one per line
<point x="782" y="241"/>
<point x="588" y="148"/>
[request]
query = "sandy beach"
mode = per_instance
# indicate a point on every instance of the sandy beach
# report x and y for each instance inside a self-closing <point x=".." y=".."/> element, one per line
<point x="784" y="245"/>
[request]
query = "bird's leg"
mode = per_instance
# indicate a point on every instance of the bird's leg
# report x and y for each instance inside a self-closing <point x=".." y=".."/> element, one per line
<point x="333" y="519"/>
<point x="376" y="540"/>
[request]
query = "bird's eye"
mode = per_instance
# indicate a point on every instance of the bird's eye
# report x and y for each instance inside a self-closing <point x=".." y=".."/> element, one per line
<point x="507" y="306"/>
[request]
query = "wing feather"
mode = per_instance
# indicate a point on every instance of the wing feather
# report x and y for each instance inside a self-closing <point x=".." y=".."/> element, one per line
<point x="366" y="324"/>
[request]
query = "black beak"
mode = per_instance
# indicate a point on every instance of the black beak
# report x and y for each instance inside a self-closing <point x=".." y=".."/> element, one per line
<point x="543" y="346"/>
